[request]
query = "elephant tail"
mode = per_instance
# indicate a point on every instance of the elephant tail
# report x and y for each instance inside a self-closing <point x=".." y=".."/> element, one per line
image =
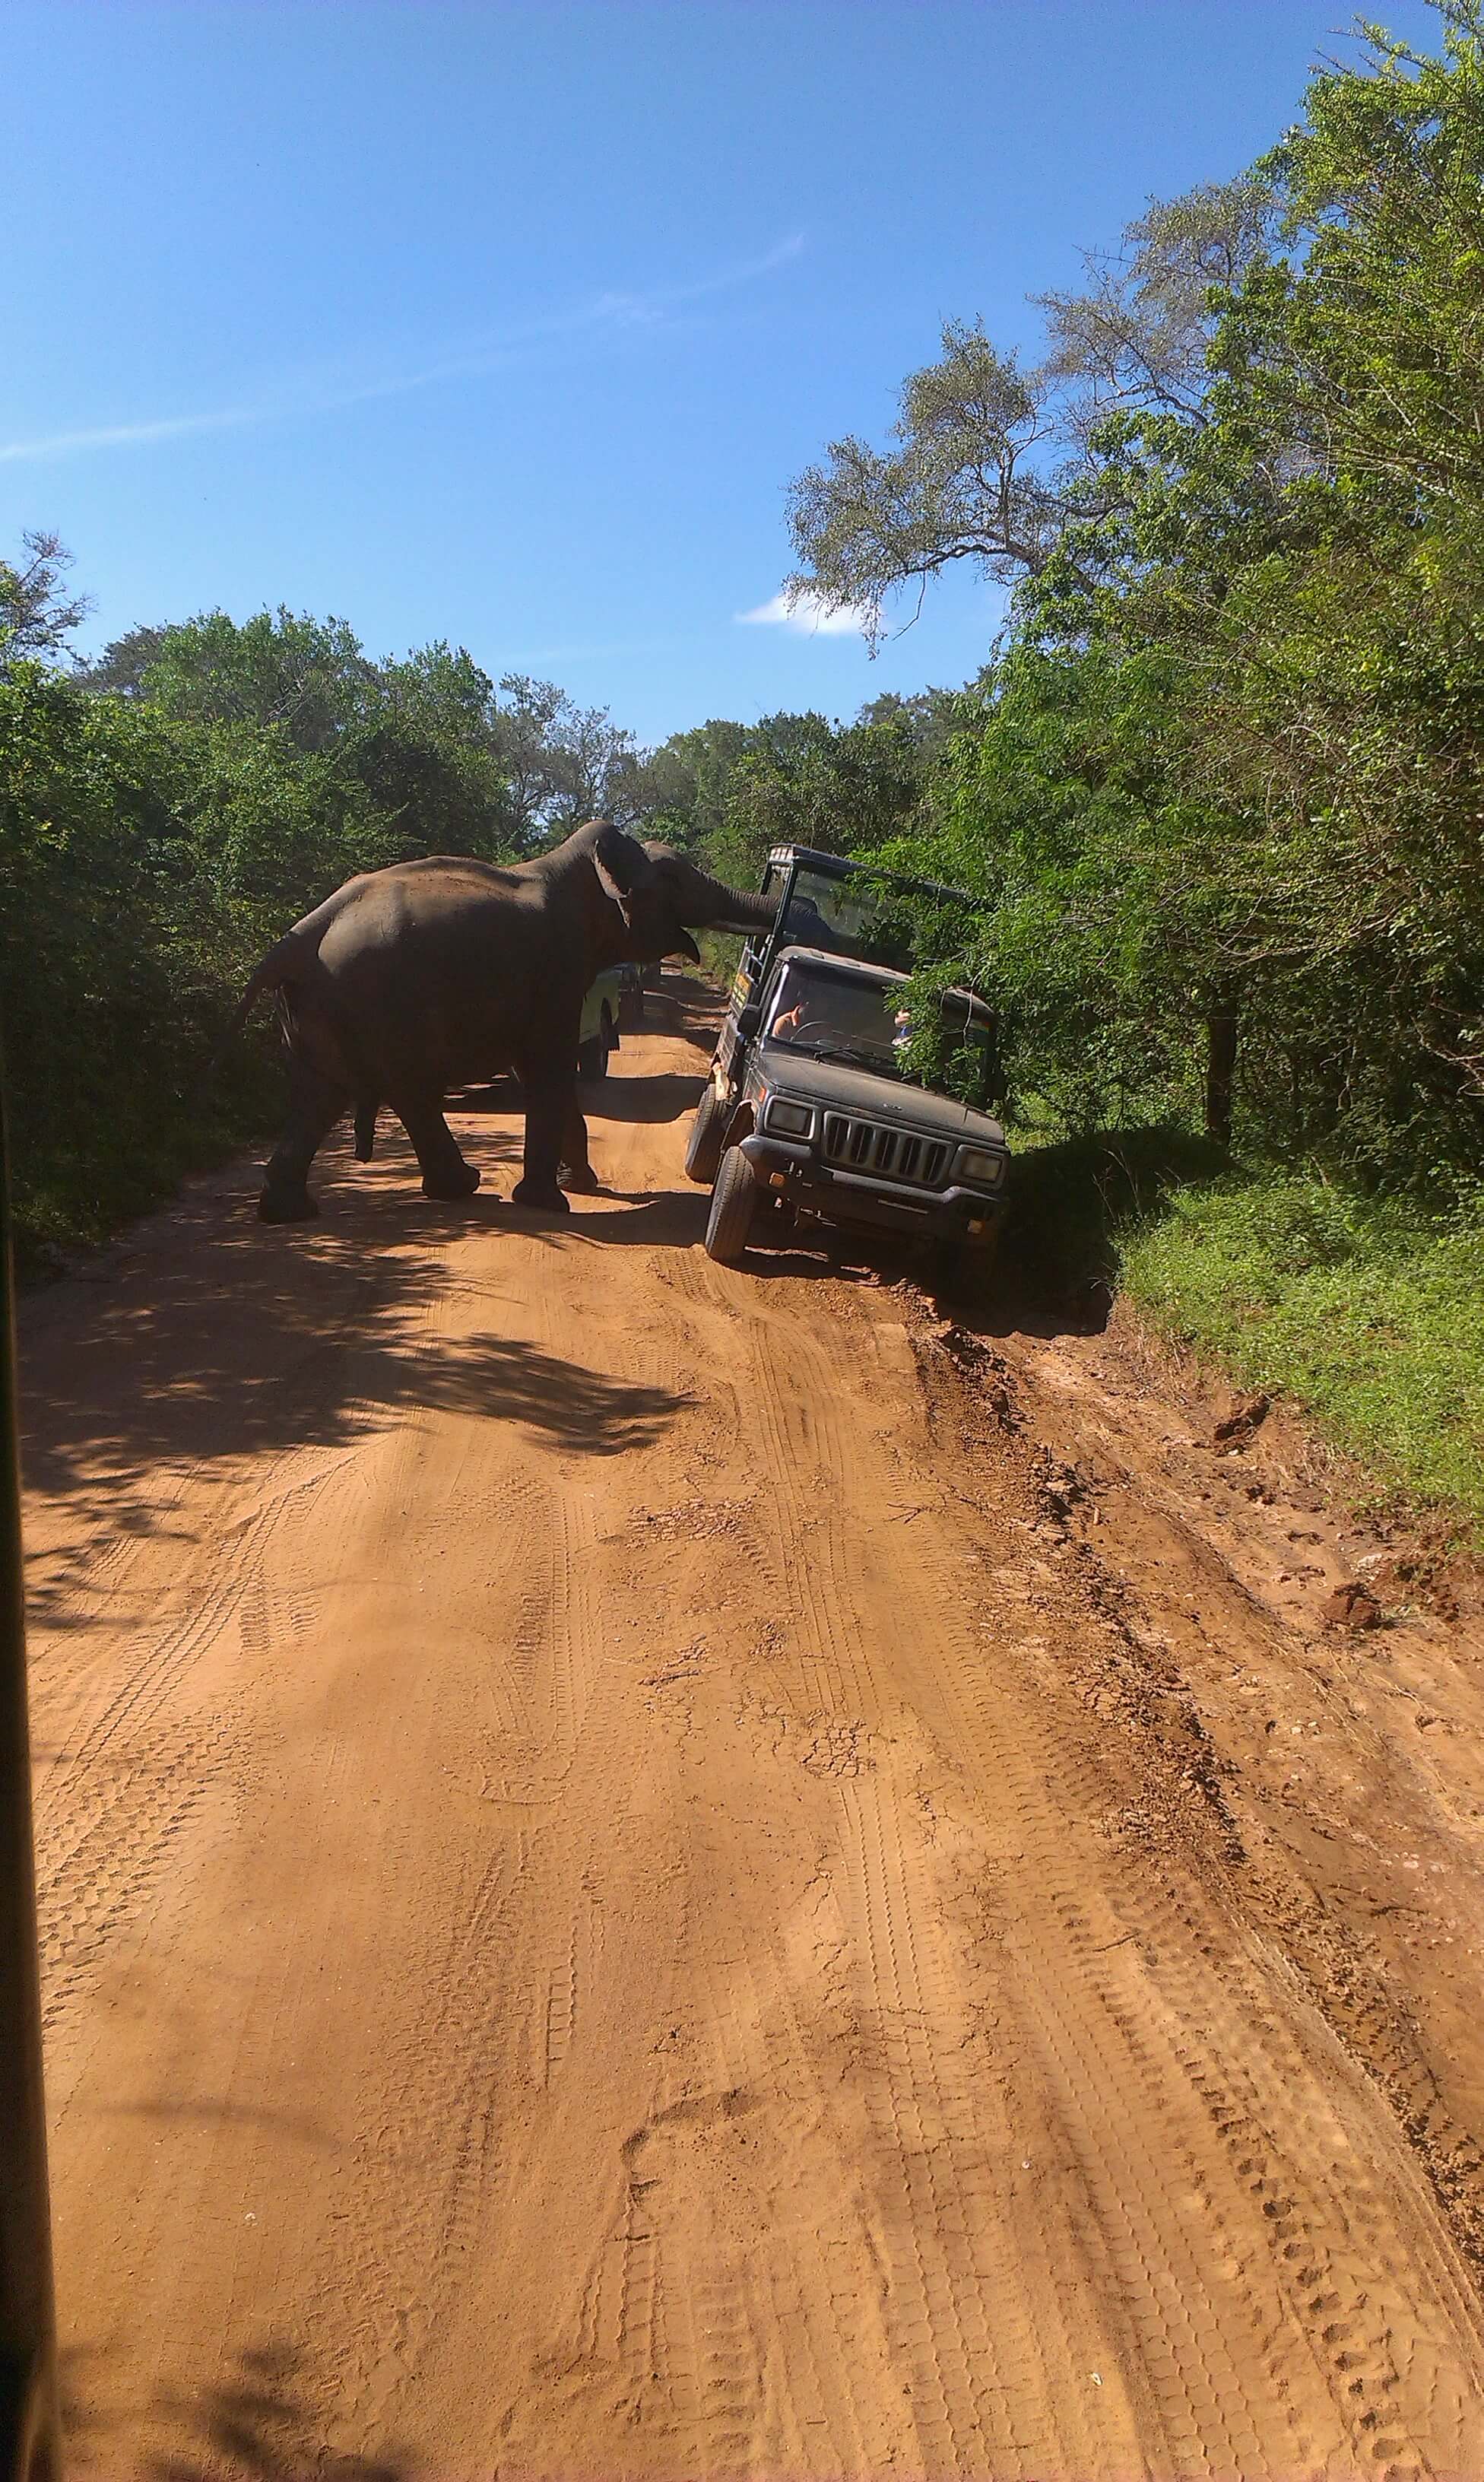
<point x="293" y="958"/>
<point x="285" y="962"/>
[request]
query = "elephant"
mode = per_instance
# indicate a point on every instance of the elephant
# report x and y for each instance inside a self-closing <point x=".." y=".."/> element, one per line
<point x="430" y="975"/>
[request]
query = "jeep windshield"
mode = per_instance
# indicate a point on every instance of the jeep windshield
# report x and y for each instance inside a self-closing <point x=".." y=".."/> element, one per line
<point x="847" y="1017"/>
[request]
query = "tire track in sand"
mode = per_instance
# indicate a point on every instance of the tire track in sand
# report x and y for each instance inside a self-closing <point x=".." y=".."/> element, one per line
<point x="1132" y="2109"/>
<point x="713" y="1998"/>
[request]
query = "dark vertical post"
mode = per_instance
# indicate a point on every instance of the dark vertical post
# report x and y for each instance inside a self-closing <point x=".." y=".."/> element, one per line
<point x="28" y="2375"/>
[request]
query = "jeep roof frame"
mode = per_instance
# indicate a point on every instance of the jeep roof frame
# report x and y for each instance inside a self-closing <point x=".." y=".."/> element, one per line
<point x="842" y="866"/>
<point x="791" y="860"/>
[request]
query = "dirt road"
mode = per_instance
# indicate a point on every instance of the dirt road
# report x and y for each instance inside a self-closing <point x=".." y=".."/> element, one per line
<point x="652" y="1869"/>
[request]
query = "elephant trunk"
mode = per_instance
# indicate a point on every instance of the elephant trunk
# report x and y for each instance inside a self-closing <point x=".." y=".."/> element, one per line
<point x="729" y="908"/>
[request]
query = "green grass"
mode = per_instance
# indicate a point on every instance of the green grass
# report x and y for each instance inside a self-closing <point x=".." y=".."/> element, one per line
<point x="1367" y="1314"/>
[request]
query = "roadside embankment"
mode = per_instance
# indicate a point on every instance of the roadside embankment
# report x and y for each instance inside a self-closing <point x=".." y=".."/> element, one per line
<point x="1366" y="1315"/>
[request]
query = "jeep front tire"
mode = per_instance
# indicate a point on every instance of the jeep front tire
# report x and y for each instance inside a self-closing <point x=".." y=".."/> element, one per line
<point x="733" y="1204"/>
<point x="708" y="1135"/>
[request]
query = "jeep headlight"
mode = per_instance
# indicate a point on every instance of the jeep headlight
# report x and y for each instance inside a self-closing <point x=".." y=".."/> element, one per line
<point x="978" y="1165"/>
<point x="788" y="1119"/>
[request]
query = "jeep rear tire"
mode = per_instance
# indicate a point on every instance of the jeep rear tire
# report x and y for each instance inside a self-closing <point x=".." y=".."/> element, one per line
<point x="733" y="1205"/>
<point x="708" y="1135"/>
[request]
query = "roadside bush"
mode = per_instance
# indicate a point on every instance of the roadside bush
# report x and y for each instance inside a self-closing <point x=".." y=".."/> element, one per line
<point x="144" y="864"/>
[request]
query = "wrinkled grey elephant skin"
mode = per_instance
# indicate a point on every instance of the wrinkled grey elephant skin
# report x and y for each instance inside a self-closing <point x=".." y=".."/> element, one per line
<point x="410" y="981"/>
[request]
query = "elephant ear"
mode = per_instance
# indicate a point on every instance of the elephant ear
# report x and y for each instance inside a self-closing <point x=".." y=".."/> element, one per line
<point x="622" y="865"/>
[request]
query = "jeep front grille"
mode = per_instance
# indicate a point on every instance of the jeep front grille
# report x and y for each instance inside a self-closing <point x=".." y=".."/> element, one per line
<point x="865" y="1145"/>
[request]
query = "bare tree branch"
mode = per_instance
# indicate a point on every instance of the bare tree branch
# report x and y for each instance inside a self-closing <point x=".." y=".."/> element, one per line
<point x="36" y="617"/>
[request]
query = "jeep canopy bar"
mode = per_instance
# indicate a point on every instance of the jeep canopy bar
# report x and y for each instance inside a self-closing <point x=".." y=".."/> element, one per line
<point x="841" y="866"/>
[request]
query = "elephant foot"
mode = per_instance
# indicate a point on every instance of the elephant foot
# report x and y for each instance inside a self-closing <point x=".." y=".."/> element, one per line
<point x="286" y="1207"/>
<point x="462" y="1183"/>
<point x="544" y="1195"/>
<point x="584" y="1180"/>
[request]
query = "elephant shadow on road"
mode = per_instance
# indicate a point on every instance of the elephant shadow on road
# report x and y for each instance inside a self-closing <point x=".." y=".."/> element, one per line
<point x="665" y="1097"/>
<point x="647" y="1219"/>
<point x="211" y="1340"/>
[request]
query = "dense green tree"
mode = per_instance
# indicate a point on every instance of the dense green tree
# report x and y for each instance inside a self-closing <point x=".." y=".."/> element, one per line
<point x="120" y="668"/>
<point x="143" y="865"/>
<point x="734" y="790"/>
<point x="1221" y="796"/>
<point x="308" y="678"/>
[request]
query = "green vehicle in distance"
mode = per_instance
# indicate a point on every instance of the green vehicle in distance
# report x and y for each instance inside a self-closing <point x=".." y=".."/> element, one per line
<point x="604" y="1004"/>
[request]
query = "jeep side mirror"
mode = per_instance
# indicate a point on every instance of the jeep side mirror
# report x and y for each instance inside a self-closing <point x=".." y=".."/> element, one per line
<point x="748" y="1021"/>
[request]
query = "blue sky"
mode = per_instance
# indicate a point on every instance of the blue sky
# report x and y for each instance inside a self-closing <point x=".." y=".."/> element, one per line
<point x="510" y="323"/>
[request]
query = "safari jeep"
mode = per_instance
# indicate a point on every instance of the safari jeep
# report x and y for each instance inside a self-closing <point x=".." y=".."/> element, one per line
<point x="816" y="1113"/>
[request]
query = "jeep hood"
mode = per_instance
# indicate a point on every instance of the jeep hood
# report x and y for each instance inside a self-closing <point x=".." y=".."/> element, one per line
<point x="837" y="1088"/>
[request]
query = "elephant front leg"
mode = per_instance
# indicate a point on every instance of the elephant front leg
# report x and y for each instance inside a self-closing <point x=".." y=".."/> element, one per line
<point x="550" y="1106"/>
<point x="575" y="1168"/>
<point x="445" y="1172"/>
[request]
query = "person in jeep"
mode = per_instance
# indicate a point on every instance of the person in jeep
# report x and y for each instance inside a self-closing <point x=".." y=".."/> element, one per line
<point x="805" y="1013"/>
<point x="817" y="1012"/>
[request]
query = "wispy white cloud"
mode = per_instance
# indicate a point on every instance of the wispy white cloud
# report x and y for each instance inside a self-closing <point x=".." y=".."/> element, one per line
<point x="127" y="434"/>
<point x="307" y="394"/>
<point x="811" y="616"/>
<point x="649" y="309"/>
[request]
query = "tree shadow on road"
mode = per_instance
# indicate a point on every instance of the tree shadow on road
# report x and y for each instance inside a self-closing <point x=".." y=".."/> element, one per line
<point x="563" y="1403"/>
<point x="221" y="2111"/>
<point x="686" y="1007"/>
<point x="258" y="2424"/>
<point x="1072" y="1205"/>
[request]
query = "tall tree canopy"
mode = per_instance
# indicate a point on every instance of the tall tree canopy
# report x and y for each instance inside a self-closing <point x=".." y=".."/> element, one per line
<point x="998" y="463"/>
<point x="1221" y="794"/>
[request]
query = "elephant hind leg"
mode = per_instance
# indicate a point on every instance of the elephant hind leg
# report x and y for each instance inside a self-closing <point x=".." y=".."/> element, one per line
<point x="316" y="1102"/>
<point x="366" y="1110"/>
<point x="445" y="1172"/>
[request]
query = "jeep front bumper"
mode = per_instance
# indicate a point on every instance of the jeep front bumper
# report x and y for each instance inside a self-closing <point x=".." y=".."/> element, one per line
<point x="794" y="1171"/>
